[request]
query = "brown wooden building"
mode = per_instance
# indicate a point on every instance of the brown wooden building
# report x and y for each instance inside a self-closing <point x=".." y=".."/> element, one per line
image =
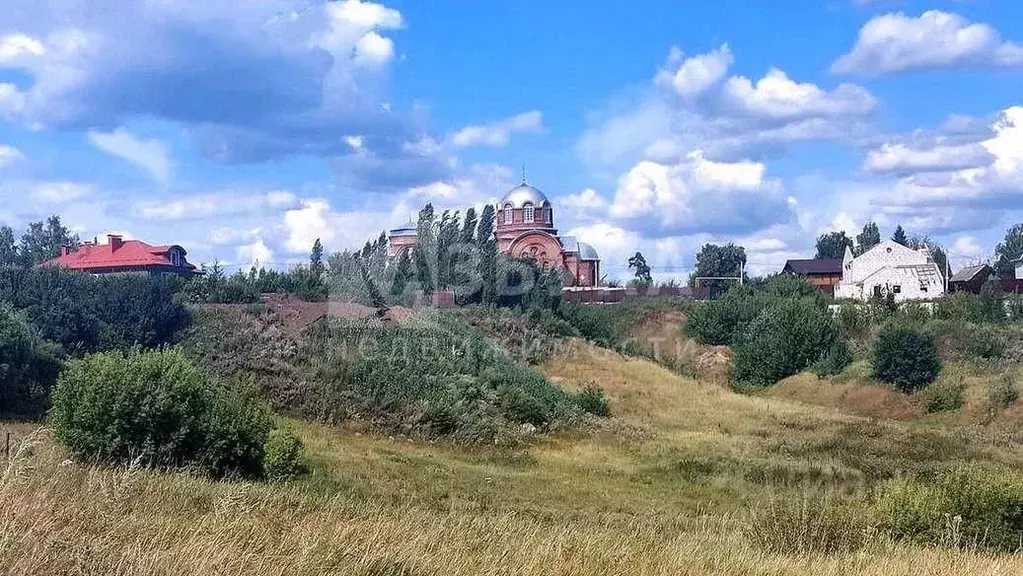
<point x="824" y="273"/>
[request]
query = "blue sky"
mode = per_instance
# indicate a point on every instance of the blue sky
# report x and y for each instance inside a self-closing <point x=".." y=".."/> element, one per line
<point x="246" y="133"/>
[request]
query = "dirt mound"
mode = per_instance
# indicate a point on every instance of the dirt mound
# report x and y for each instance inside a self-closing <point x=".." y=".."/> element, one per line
<point x="293" y="315"/>
<point x="661" y="332"/>
<point x="854" y="397"/>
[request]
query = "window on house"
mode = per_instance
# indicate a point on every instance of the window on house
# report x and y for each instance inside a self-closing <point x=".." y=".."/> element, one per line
<point x="175" y="257"/>
<point x="896" y="289"/>
<point x="527" y="212"/>
<point x="547" y="214"/>
<point x="507" y="213"/>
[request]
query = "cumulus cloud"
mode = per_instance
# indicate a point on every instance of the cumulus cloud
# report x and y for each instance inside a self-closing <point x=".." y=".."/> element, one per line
<point x="777" y="97"/>
<point x="9" y="156"/>
<point x="151" y="156"/>
<point x="213" y="205"/>
<point x="698" y="195"/>
<point x="498" y="133"/>
<point x="690" y="77"/>
<point x="902" y="158"/>
<point x="898" y="43"/>
<point x="57" y="193"/>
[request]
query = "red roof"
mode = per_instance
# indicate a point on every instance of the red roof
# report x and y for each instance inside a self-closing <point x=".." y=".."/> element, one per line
<point x="117" y="253"/>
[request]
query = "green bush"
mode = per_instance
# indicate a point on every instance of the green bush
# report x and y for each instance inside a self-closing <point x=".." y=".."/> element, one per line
<point x="1002" y="392"/>
<point x="157" y="408"/>
<point x="964" y="507"/>
<point x="945" y="395"/>
<point x="905" y="357"/>
<point x="283" y="457"/>
<point x="721" y="321"/>
<point x="967" y="341"/>
<point x="835" y="360"/>
<point x="965" y="307"/>
<point x="809" y="525"/>
<point x="787" y="337"/>
<point x="853" y="320"/>
<point x="28" y="366"/>
<point x="593" y="400"/>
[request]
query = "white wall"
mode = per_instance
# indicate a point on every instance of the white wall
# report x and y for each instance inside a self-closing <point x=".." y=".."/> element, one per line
<point x="888" y="265"/>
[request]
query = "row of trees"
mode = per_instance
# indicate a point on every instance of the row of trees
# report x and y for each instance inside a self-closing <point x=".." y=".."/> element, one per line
<point x="40" y="242"/>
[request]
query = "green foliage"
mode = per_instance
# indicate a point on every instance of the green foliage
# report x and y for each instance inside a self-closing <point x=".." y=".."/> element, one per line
<point x="786" y="337"/>
<point x="905" y="357"/>
<point x="958" y="340"/>
<point x="899" y="237"/>
<point x="642" y="269"/>
<point x="593" y="400"/>
<point x="833" y="245"/>
<point x="810" y="525"/>
<point x="284" y="457"/>
<point x="945" y="395"/>
<point x="85" y="313"/>
<point x="965" y="507"/>
<point x="157" y="408"/>
<point x="28" y="366"/>
<point x="43" y="240"/>
<point x="721" y="321"/>
<point x="868" y="238"/>
<point x="718" y="261"/>
<point x="1003" y="391"/>
<point x="835" y="360"/>
<point x="1008" y="251"/>
<point x="431" y="376"/>
<point x="853" y="320"/>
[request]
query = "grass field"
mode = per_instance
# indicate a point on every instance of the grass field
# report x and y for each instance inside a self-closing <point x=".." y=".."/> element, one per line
<point x="669" y="485"/>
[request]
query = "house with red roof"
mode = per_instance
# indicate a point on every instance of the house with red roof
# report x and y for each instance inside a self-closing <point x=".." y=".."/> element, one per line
<point x="120" y="256"/>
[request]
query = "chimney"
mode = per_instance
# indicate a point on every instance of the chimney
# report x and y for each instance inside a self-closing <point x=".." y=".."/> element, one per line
<point x="65" y="249"/>
<point x="115" y="241"/>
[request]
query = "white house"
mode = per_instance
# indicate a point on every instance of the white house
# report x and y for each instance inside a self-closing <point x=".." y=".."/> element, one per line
<point x="890" y="267"/>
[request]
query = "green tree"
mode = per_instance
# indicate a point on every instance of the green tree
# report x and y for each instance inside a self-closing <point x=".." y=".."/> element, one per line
<point x="833" y="245"/>
<point x="43" y="240"/>
<point x="8" y="248"/>
<point x="402" y="274"/>
<point x="642" y="269"/>
<point x="899" y="237"/>
<point x="868" y="238"/>
<point x="934" y="250"/>
<point x="316" y="258"/>
<point x="1009" y="251"/>
<point x="487" y="248"/>
<point x="718" y="261"/>
<point x="469" y="227"/>
<point x="906" y="357"/>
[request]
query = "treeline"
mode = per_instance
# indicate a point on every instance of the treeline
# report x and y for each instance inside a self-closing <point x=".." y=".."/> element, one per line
<point x="40" y="242"/>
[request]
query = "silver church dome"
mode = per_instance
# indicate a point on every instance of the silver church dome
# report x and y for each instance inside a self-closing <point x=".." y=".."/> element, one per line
<point x="522" y="194"/>
<point x="587" y="252"/>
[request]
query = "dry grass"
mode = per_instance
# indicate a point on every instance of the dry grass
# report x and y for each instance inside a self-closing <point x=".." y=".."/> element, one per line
<point x="663" y="488"/>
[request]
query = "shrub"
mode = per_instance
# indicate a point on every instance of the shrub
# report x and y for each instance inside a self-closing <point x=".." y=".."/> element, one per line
<point x="807" y="525"/>
<point x="945" y="395"/>
<point x="283" y="457"/>
<point x="721" y="321"/>
<point x="785" y="338"/>
<point x="963" y="507"/>
<point x="905" y="357"/>
<point x="28" y="366"/>
<point x="157" y="408"/>
<point x="853" y="321"/>
<point x="593" y="400"/>
<point x="1002" y="392"/>
<point x="835" y="360"/>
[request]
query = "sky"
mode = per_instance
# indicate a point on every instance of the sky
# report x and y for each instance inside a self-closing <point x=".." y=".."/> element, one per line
<point x="245" y="131"/>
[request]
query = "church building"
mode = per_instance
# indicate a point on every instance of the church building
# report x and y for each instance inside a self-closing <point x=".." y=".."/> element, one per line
<point x="525" y="229"/>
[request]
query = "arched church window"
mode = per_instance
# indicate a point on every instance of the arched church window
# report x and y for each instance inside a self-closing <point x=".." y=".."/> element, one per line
<point x="547" y="214"/>
<point x="527" y="212"/>
<point x="508" y="213"/>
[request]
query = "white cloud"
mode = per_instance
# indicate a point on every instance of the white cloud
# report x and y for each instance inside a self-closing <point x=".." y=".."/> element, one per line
<point x="498" y="133"/>
<point x="966" y="247"/>
<point x="374" y="49"/>
<point x="898" y="43"/>
<point x="205" y="206"/>
<point x="59" y="192"/>
<point x="257" y="254"/>
<point x="690" y="77"/>
<point x="365" y="14"/>
<point x="775" y="96"/>
<point x="12" y="100"/>
<point x="14" y="46"/>
<point x="586" y="201"/>
<point x="9" y="155"/>
<point x="149" y="155"/>
<point x="899" y="157"/>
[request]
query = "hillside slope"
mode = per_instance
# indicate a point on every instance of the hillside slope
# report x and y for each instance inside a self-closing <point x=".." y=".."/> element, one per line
<point x="662" y="488"/>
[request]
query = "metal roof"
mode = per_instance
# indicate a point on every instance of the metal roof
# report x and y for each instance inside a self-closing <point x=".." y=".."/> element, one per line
<point x="587" y="252"/>
<point x="522" y="194"/>
<point x="968" y="273"/>
<point x="569" y="243"/>
<point x="814" y="266"/>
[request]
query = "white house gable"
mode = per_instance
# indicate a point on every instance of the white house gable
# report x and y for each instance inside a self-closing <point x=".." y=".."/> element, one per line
<point x="890" y="267"/>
